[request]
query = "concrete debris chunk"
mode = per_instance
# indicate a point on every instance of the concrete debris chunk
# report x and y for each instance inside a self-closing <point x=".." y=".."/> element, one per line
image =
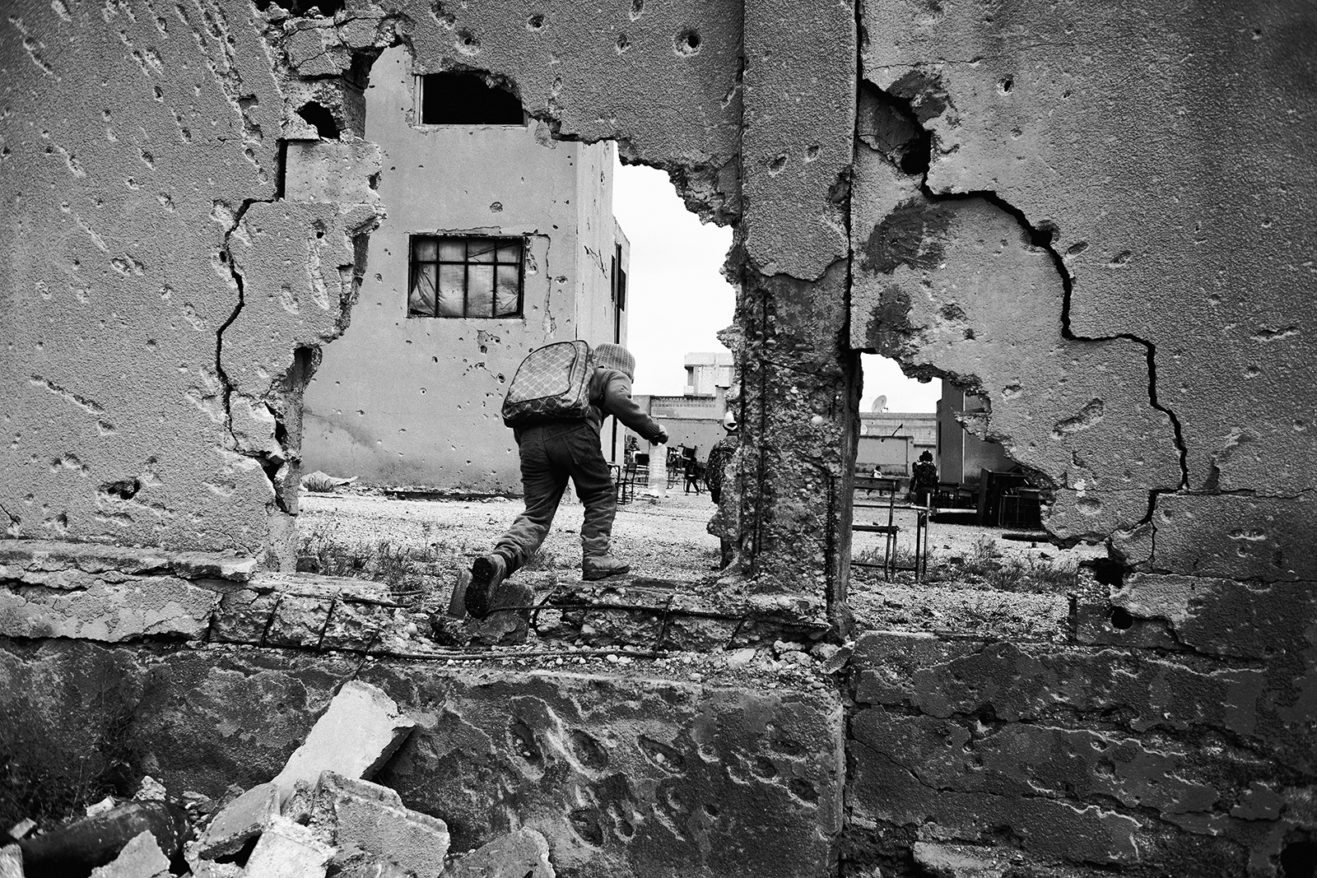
<point x="140" y="858"/>
<point x="150" y="790"/>
<point x="357" y="734"/>
<point x="521" y="854"/>
<point x="22" y="828"/>
<point x="286" y="850"/>
<point x="239" y="822"/>
<point x="11" y="861"/>
<point x="104" y="806"/>
<point x="352" y="813"/>
<point x="211" y="869"/>
<point x="354" y="863"/>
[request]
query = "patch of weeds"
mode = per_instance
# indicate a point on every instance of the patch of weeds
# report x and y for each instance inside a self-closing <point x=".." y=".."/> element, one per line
<point x="405" y="570"/>
<point x="986" y="567"/>
<point x="545" y="560"/>
<point x="50" y="774"/>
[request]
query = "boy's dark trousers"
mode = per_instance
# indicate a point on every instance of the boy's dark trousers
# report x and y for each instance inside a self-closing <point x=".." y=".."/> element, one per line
<point x="550" y="454"/>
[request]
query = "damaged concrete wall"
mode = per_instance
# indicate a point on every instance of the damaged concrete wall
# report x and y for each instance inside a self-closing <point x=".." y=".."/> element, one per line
<point x="1168" y="205"/>
<point x="1098" y="218"/>
<point x="624" y="775"/>
<point x="1091" y="217"/>
<point x="141" y="166"/>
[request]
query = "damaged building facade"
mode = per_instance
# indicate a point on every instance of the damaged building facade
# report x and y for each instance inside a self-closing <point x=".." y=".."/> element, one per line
<point x="496" y="239"/>
<point x="1098" y="219"/>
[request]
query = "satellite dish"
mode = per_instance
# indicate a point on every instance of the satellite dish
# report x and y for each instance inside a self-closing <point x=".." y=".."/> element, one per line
<point x="879" y="405"/>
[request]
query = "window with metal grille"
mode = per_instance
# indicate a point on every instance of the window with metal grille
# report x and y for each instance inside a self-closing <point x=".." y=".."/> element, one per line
<point x="465" y="277"/>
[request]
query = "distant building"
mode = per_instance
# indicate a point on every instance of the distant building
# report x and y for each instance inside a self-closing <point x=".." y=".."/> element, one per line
<point x="962" y="456"/>
<point x="706" y="372"/>
<point x="498" y="239"/>
<point x="694" y="419"/>
<point x="893" y="441"/>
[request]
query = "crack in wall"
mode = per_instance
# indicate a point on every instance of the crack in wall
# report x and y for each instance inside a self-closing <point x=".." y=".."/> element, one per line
<point x="269" y="464"/>
<point x="915" y="156"/>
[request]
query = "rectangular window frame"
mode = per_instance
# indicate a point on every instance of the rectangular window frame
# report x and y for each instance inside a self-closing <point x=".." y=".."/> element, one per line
<point x="414" y="265"/>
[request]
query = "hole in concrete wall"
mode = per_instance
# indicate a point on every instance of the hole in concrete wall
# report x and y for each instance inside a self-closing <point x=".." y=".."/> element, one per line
<point x="124" y="489"/>
<point x="1121" y="619"/>
<point x="466" y="98"/>
<point x="606" y="253"/>
<point x="934" y="494"/>
<point x="321" y="118"/>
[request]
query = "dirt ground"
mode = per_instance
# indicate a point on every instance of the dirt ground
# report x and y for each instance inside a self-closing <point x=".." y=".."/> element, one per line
<point x="977" y="580"/>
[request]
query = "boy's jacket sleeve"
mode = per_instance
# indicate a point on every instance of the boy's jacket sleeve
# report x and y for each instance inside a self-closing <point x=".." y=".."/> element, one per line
<point x="615" y="399"/>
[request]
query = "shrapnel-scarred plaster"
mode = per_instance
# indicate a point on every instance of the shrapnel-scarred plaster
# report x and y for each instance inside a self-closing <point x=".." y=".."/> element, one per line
<point x="1097" y="217"/>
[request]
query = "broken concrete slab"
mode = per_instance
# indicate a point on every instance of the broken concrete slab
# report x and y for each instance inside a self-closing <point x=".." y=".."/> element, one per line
<point x="148" y="607"/>
<point x="520" y="854"/>
<point x="239" y="822"/>
<point x="359" y="731"/>
<point x="287" y="850"/>
<point x="140" y="858"/>
<point x="11" y="861"/>
<point x="370" y="817"/>
<point x="40" y="562"/>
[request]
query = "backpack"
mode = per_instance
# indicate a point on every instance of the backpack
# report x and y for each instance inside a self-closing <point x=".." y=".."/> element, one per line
<point x="552" y="384"/>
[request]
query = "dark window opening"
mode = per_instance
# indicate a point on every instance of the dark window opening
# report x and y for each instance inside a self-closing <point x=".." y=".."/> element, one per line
<point x="465" y="277"/>
<point x="466" y="99"/>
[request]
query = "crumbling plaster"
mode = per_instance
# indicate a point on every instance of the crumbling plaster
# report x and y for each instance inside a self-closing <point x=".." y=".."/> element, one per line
<point x="1166" y="161"/>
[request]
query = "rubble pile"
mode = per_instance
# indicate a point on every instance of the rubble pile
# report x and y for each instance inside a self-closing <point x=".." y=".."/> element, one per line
<point x="320" y="817"/>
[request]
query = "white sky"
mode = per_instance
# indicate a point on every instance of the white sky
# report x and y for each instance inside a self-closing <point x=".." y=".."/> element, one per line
<point x="677" y="297"/>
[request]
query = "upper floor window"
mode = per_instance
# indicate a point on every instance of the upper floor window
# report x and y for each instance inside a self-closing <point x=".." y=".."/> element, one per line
<point x="461" y="98"/>
<point x="465" y="277"/>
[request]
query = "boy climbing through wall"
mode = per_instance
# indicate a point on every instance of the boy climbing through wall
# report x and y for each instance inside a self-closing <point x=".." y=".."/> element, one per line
<point x="553" y="451"/>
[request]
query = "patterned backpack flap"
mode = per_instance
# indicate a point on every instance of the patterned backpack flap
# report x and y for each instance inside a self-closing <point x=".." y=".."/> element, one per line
<point x="551" y="384"/>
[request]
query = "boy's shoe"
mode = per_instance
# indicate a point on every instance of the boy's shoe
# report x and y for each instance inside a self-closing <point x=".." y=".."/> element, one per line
<point x="486" y="574"/>
<point x="602" y="566"/>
